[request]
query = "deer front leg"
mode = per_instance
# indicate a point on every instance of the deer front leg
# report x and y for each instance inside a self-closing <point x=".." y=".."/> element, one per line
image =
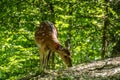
<point x="50" y="59"/>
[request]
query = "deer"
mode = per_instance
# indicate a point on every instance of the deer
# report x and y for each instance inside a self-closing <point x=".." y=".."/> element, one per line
<point x="46" y="39"/>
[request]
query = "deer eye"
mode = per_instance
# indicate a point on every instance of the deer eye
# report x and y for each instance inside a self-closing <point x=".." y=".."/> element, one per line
<point x="67" y="52"/>
<point x="65" y="56"/>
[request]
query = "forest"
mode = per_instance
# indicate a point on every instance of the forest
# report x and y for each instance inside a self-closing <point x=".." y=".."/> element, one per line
<point x="92" y="26"/>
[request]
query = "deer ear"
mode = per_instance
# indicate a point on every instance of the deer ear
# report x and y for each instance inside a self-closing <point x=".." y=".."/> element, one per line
<point x="67" y="44"/>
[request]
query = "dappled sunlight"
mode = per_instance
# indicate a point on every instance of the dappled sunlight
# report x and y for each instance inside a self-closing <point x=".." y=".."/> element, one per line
<point x="91" y="26"/>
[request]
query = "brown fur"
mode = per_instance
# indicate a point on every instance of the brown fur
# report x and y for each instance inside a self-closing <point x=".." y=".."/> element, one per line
<point x="47" y="42"/>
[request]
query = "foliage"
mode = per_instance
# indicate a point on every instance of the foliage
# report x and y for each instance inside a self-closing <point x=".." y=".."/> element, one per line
<point x="79" y="20"/>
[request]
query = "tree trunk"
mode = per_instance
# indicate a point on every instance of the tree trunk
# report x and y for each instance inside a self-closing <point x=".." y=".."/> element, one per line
<point x="104" y="35"/>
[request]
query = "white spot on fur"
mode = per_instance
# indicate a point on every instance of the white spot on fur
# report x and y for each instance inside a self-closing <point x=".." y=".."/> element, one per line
<point x="43" y="34"/>
<point x="41" y="26"/>
<point x="42" y="40"/>
<point x="39" y="45"/>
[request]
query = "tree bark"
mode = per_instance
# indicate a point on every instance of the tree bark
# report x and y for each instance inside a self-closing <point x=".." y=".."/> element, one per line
<point x="104" y="35"/>
<point x="108" y="69"/>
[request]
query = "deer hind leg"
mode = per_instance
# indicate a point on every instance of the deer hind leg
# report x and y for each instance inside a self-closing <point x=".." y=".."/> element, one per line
<point x="46" y="61"/>
<point x="43" y="58"/>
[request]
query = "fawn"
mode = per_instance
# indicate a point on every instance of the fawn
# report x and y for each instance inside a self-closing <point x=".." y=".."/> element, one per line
<point x="47" y="41"/>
